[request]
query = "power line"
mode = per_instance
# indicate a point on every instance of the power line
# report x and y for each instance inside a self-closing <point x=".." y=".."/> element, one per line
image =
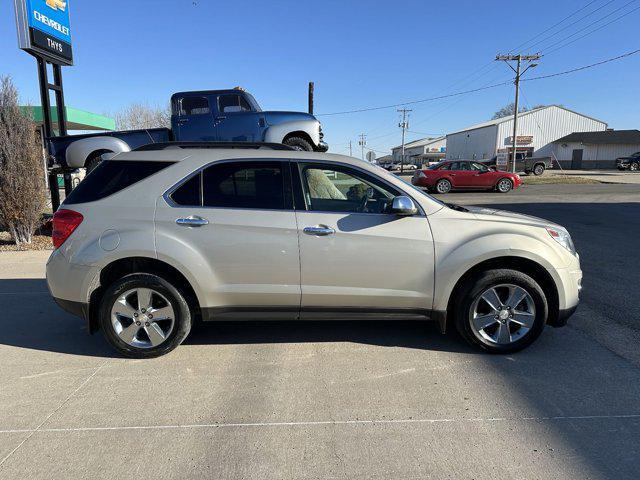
<point x="558" y="23"/>
<point x="481" y="88"/>
<point x="592" y="31"/>
<point x="624" y="55"/>
<point x="572" y="24"/>
<point x="413" y="102"/>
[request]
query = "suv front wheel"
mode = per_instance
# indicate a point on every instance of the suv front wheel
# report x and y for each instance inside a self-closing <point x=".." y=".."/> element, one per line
<point x="500" y="311"/>
<point x="144" y="316"/>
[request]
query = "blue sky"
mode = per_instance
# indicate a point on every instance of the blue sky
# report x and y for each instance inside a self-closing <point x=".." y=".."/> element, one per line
<point x="359" y="54"/>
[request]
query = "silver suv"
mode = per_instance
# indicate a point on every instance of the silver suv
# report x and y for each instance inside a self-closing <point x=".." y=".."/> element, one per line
<point x="153" y="241"/>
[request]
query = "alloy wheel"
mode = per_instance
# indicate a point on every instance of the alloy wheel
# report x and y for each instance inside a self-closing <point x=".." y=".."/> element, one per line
<point x="443" y="186"/>
<point x="504" y="185"/>
<point x="634" y="167"/>
<point x="142" y="318"/>
<point x="502" y="314"/>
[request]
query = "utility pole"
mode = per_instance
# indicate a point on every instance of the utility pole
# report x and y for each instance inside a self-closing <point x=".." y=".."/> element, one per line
<point x="350" y="151"/>
<point x="517" y="58"/>
<point x="311" y="87"/>
<point x="403" y="125"/>
<point x="362" y="142"/>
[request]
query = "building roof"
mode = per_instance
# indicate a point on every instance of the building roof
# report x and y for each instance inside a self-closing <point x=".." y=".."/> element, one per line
<point x="624" y="137"/>
<point x="421" y="142"/>
<point x="508" y="118"/>
<point x="76" y="119"/>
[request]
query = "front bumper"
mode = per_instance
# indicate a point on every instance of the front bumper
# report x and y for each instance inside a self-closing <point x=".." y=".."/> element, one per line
<point x="322" y="146"/>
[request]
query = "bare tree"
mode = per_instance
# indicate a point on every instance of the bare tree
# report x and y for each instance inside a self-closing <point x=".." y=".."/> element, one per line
<point x="22" y="196"/>
<point x="140" y="115"/>
<point x="508" y="110"/>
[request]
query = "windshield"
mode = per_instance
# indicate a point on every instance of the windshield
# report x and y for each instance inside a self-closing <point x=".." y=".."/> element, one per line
<point x="252" y="101"/>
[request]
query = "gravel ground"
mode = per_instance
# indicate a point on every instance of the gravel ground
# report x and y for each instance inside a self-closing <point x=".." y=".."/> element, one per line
<point x="40" y="242"/>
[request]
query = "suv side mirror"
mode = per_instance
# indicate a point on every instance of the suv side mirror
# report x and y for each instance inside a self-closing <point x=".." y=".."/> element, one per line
<point x="403" y="205"/>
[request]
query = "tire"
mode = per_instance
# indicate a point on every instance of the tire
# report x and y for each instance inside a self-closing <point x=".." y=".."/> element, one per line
<point x="538" y="169"/>
<point x="469" y="305"/>
<point x="92" y="163"/>
<point x="634" y="167"/>
<point x="167" y="334"/>
<point x="504" y="185"/>
<point x="443" y="186"/>
<point x="298" y="143"/>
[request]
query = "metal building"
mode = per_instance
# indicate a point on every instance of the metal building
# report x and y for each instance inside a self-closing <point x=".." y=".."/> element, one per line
<point x="537" y="130"/>
<point x="596" y="149"/>
<point x="421" y="151"/>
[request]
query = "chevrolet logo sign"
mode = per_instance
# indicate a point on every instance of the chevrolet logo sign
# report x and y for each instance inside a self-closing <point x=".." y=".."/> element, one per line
<point x="57" y="4"/>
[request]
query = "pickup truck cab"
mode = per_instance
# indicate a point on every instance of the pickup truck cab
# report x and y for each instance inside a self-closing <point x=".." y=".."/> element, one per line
<point x="231" y="115"/>
<point x="525" y="164"/>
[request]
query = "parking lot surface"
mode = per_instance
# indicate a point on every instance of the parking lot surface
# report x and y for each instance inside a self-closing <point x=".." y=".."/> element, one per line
<point x="338" y="399"/>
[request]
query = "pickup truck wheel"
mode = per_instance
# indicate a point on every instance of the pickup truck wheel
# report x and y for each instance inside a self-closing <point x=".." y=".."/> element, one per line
<point x="538" y="169"/>
<point x="144" y="316"/>
<point x="504" y="185"/>
<point x="93" y="162"/>
<point x="500" y="311"/>
<point x="298" y="143"/>
<point x="443" y="186"/>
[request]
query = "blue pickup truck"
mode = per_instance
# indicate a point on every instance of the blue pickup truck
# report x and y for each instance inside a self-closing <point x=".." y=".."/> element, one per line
<point x="211" y="115"/>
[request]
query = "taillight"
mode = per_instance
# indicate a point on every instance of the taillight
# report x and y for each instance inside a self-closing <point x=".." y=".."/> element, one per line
<point x="64" y="223"/>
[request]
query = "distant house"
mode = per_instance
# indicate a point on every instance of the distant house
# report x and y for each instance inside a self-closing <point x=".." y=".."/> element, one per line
<point x="596" y="149"/>
<point x="421" y="151"/>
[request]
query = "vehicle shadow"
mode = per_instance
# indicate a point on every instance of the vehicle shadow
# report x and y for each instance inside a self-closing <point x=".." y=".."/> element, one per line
<point x="43" y="325"/>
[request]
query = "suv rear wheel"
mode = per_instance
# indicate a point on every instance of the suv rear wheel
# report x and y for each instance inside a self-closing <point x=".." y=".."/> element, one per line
<point x="144" y="316"/>
<point x="500" y="311"/>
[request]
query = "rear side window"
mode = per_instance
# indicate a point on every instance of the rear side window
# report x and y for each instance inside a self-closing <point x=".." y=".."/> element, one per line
<point x="194" y="106"/>
<point x="244" y="185"/>
<point x="188" y="194"/>
<point x="110" y="177"/>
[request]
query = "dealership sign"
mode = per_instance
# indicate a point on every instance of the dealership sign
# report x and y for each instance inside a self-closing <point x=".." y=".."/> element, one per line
<point x="44" y="29"/>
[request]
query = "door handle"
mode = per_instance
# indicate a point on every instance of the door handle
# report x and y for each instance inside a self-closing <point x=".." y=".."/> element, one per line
<point x="182" y="121"/>
<point x="192" y="221"/>
<point x="319" y="230"/>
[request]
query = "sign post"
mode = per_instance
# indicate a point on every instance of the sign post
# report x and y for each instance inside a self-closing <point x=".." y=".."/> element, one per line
<point x="44" y="31"/>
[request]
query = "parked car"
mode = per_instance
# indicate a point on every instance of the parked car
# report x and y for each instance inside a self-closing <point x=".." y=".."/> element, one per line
<point x="211" y="115"/>
<point x="464" y="175"/>
<point x="524" y="164"/>
<point x="155" y="240"/>
<point x="632" y="162"/>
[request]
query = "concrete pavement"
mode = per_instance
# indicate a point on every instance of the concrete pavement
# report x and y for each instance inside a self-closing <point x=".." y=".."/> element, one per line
<point x="330" y="400"/>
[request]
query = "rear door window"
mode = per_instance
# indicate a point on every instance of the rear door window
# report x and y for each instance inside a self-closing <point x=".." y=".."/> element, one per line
<point x="112" y="176"/>
<point x="256" y="185"/>
<point x="194" y="106"/>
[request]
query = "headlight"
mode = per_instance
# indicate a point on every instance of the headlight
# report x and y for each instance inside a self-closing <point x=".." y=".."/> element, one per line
<point x="563" y="238"/>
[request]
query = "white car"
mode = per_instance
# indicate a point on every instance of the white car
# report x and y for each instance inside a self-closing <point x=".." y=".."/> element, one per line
<point x="153" y="241"/>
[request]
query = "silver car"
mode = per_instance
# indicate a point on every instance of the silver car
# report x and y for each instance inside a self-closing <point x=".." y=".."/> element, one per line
<point x="153" y="241"/>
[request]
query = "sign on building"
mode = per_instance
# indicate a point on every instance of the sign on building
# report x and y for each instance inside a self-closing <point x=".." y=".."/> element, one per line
<point x="44" y="28"/>
<point x="521" y="140"/>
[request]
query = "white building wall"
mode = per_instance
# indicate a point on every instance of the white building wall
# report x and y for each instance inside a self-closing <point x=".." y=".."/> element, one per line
<point x="419" y="150"/>
<point x="475" y="144"/>
<point x="546" y="126"/>
<point x="593" y="156"/>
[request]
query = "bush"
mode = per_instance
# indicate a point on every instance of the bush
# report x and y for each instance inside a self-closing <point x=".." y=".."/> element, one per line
<point x="22" y="193"/>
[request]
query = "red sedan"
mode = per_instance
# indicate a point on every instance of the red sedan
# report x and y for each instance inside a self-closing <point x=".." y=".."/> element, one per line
<point x="464" y="175"/>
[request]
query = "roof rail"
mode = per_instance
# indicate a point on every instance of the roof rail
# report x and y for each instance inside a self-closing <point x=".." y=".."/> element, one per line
<point x="167" y="145"/>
